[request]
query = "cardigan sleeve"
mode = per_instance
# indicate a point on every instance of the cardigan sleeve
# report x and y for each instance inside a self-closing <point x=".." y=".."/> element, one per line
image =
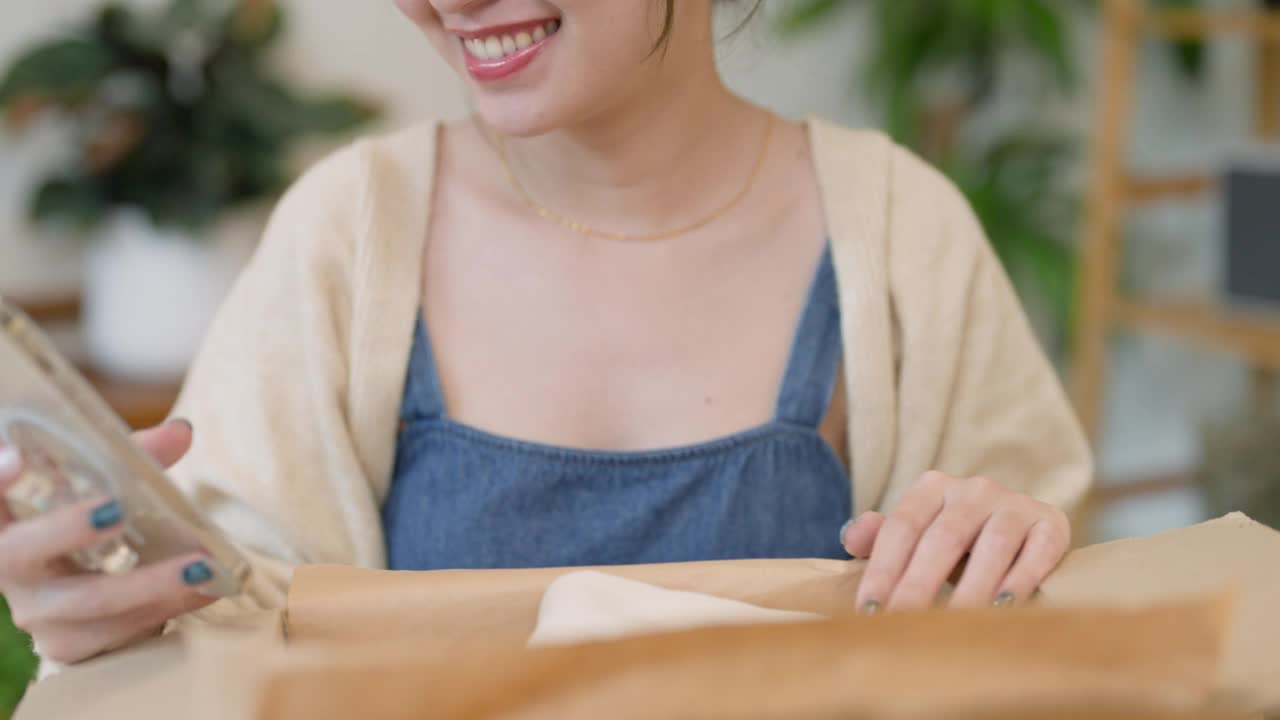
<point x="273" y="462"/>
<point x="977" y="395"/>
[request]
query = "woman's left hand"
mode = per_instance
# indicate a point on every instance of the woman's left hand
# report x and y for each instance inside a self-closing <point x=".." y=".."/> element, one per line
<point x="1012" y="542"/>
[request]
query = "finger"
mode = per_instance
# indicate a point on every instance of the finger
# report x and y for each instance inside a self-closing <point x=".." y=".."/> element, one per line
<point x="29" y="550"/>
<point x="167" y="443"/>
<point x="149" y="594"/>
<point x="992" y="557"/>
<point x="859" y="537"/>
<point x="940" y="549"/>
<point x="76" y="642"/>
<point x="10" y="469"/>
<point x="1046" y="545"/>
<point x="897" y="539"/>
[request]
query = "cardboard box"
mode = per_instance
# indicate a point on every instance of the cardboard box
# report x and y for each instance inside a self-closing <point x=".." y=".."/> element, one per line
<point x="222" y="674"/>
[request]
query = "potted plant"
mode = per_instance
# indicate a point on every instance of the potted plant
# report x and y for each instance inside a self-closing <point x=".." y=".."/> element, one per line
<point x="177" y="125"/>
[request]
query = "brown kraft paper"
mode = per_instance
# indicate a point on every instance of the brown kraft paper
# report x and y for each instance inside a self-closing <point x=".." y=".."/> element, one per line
<point x="894" y="665"/>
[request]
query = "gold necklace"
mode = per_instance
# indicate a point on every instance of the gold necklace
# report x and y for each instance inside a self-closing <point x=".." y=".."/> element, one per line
<point x="548" y="214"/>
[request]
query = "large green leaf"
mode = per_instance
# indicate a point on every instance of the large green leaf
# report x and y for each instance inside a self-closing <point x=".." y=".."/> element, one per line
<point x="62" y="70"/>
<point x="17" y="662"/>
<point x="275" y="112"/>
<point x="1044" y="27"/>
<point x="223" y="142"/>
<point x="256" y="36"/>
<point x="806" y="14"/>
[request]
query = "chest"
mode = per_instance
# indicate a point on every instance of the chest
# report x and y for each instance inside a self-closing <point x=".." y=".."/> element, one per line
<point x="543" y="335"/>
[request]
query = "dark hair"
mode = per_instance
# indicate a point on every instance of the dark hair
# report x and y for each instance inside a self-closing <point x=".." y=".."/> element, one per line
<point x="669" y="22"/>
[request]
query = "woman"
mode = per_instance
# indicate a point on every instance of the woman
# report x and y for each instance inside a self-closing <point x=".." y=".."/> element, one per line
<point x="620" y="315"/>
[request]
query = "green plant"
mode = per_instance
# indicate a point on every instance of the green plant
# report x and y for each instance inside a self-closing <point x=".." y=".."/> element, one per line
<point x="176" y="112"/>
<point x="17" y="663"/>
<point x="937" y="69"/>
<point x="1188" y="55"/>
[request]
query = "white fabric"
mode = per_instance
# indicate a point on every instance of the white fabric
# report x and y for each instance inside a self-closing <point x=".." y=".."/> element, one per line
<point x="588" y="606"/>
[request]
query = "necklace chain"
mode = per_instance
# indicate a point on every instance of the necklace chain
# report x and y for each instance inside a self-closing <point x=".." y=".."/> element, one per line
<point x="583" y="229"/>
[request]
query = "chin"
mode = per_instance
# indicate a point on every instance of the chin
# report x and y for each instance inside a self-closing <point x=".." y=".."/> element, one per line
<point x="515" y="119"/>
<point x="520" y="117"/>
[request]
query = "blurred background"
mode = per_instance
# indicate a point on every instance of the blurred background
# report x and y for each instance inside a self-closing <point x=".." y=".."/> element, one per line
<point x="1123" y="155"/>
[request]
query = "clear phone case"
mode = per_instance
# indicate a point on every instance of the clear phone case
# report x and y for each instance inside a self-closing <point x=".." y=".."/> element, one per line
<point x="74" y="447"/>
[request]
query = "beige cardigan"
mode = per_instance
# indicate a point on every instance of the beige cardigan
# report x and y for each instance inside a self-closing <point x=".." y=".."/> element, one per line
<point x="295" y="394"/>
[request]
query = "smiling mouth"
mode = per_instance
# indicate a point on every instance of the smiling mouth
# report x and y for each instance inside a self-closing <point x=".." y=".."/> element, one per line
<point x="495" y="46"/>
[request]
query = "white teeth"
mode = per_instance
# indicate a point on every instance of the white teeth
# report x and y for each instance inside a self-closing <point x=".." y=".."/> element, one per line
<point x="498" y="46"/>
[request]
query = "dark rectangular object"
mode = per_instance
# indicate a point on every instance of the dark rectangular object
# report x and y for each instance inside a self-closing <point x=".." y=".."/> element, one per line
<point x="1253" y="236"/>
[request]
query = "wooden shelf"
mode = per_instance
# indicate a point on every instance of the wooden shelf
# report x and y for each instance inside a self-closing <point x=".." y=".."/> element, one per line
<point x="1255" y="335"/>
<point x="1198" y="24"/>
<point x="1140" y="190"/>
<point x="1117" y="189"/>
<point x="141" y="405"/>
<point x="1105" y="494"/>
<point x="51" y="310"/>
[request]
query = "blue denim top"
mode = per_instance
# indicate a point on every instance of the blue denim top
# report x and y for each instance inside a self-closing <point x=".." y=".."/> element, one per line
<point x="464" y="498"/>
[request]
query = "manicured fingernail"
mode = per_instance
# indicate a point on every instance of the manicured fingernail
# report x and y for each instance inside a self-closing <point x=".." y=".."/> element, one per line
<point x="844" y="529"/>
<point x="197" y="573"/>
<point x="1004" y="599"/>
<point x="10" y="460"/>
<point x="870" y="607"/>
<point x="107" y="516"/>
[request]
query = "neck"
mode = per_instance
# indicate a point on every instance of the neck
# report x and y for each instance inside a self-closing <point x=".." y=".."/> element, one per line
<point x="648" y="165"/>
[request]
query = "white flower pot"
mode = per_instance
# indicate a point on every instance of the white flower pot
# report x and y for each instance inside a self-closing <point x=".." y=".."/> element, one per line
<point x="150" y="293"/>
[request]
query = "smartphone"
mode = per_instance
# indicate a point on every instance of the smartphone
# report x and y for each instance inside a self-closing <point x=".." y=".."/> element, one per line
<point x="74" y="447"/>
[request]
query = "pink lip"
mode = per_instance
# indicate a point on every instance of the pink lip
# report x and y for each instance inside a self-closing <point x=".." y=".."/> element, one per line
<point x="508" y="65"/>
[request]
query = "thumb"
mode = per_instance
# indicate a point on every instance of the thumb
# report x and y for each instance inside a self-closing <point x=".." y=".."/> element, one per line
<point x="167" y="443"/>
<point x="860" y="535"/>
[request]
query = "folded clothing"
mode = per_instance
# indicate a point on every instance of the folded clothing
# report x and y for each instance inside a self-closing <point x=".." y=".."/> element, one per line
<point x="589" y="605"/>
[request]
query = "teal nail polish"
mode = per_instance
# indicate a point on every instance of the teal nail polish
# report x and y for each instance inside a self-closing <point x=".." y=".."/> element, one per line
<point x="844" y="529"/>
<point x="1005" y="599"/>
<point x="107" y="516"/>
<point x="871" y="607"/>
<point x="197" y="573"/>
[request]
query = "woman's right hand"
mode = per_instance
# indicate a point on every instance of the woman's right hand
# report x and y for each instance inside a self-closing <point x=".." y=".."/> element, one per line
<point x="74" y="615"/>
